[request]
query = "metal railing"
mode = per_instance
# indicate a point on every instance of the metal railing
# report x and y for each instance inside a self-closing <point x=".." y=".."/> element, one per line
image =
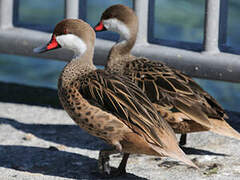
<point x="210" y="63"/>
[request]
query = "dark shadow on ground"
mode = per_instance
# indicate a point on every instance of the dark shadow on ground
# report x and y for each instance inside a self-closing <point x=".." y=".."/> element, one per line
<point x="68" y="135"/>
<point x="23" y="94"/>
<point x="194" y="151"/>
<point x="50" y="162"/>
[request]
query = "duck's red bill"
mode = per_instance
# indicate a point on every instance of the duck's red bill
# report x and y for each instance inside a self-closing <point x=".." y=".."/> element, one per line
<point x="99" y="27"/>
<point x="53" y="44"/>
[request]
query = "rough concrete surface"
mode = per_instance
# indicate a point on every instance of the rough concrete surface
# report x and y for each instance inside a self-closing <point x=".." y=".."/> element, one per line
<point x="38" y="142"/>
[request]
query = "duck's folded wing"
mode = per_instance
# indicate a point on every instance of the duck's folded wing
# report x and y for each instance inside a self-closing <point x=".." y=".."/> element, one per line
<point x="172" y="89"/>
<point x="126" y="101"/>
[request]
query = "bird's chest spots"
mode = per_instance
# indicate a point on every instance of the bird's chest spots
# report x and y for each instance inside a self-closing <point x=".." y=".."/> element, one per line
<point x="90" y="118"/>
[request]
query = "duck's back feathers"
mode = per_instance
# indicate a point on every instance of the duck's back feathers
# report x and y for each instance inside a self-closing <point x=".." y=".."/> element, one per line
<point x="126" y="101"/>
<point x="172" y="89"/>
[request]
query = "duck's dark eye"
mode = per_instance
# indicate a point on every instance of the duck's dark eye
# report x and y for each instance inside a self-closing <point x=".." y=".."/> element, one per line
<point x="66" y="31"/>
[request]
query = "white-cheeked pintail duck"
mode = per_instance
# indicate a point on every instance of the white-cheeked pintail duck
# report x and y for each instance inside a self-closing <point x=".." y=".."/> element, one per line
<point x="108" y="106"/>
<point x="177" y="97"/>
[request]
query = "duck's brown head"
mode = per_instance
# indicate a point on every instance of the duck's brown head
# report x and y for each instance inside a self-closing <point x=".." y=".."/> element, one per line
<point x="73" y="34"/>
<point x="119" y="18"/>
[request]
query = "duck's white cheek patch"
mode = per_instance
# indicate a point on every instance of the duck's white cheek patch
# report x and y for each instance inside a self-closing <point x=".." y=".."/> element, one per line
<point x="72" y="42"/>
<point x="118" y="26"/>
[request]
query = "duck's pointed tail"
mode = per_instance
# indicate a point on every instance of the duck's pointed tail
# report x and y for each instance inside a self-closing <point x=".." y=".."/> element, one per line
<point x="176" y="153"/>
<point x="221" y="127"/>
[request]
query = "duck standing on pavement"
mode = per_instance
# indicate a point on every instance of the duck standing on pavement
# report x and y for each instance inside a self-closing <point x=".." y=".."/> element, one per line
<point x="108" y="106"/>
<point x="177" y="97"/>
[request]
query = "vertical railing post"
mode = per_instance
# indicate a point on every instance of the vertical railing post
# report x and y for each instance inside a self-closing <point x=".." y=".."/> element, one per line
<point x="6" y="13"/>
<point x="72" y="9"/>
<point x="141" y="9"/>
<point x="211" y="31"/>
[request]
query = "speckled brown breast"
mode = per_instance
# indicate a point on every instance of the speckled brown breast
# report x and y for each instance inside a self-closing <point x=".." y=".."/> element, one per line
<point x="92" y="119"/>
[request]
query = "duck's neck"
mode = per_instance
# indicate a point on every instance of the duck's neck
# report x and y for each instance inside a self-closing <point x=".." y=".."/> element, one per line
<point x="120" y="53"/>
<point x="79" y="66"/>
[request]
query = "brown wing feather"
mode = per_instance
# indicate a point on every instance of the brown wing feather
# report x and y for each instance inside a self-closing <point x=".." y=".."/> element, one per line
<point x="170" y="88"/>
<point x="126" y="101"/>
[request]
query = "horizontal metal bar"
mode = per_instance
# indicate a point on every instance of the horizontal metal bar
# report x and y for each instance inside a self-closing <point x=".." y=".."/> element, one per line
<point x="71" y="9"/>
<point x="212" y="14"/>
<point x="6" y="13"/>
<point x="221" y="66"/>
